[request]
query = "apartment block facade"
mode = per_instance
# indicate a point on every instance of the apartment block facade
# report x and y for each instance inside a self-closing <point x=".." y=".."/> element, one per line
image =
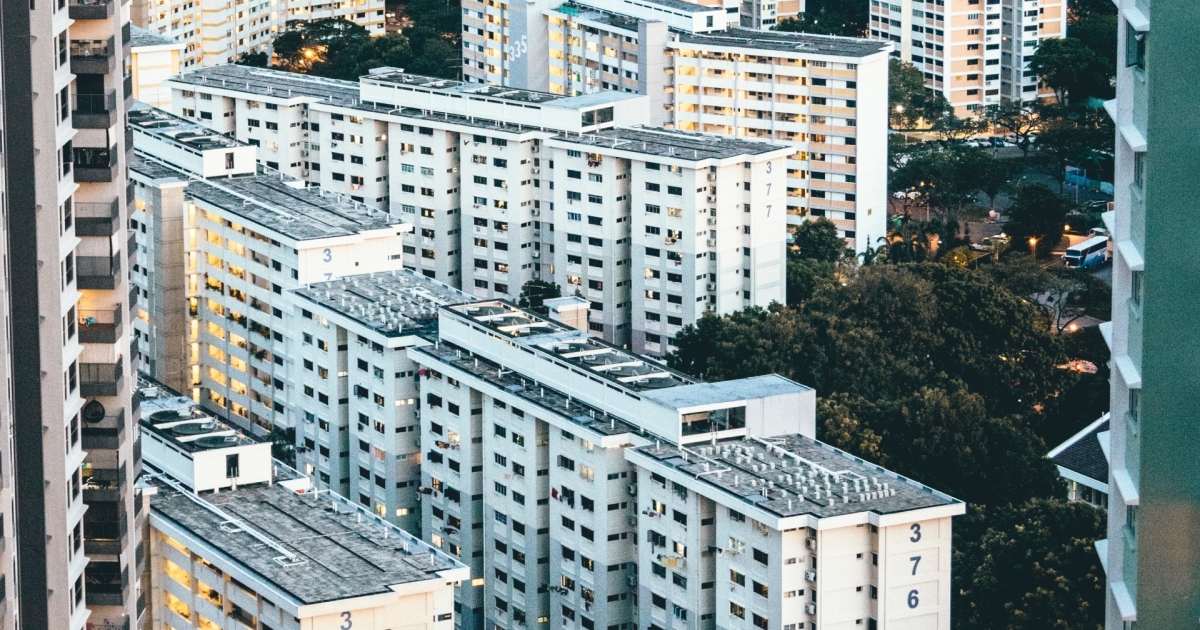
<point x="1153" y="448"/>
<point x="227" y="245"/>
<point x="367" y="444"/>
<point x="826" y="97"/>
<point x="630" y="491"/>
<point x="214" y="34"/>
<point x="228" y="544"/>
<point x="975" y="52"/>
<point x="70" y="460"/>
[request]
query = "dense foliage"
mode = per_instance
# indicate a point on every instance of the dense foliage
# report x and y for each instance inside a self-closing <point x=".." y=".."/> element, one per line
<point x="952" y="377"/>
<point x="1029" y="567"/>
<point x="340" y="49"/>
<point x="830" y="17"/>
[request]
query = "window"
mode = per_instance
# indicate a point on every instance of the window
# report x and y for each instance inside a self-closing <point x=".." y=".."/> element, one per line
<point x="1139" y="169"/>
<point x="760" y="589"/>
<point x="760" y="556"/>
<point x="737" y="578"/>
<point x="1135" y="48"/>
<point x="737" y="610"/>
<point x="760" y="622"/>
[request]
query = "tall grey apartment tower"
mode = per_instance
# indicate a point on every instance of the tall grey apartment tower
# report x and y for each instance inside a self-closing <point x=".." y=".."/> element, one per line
<point x="71" y="458"/>
<point x="1152" y="559"/>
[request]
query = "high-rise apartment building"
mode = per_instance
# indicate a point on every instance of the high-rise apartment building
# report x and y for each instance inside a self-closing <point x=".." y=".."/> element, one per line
<point x="501" y="200"/>
<point x="975" y="54"/>
<point x="1153" y="445"/>
<point x="590" y="487"/>
<point x="239" y="540"/>
<point x="214" y="34"/>
<point x="225" y="243"/>
<point x="824" y="96"/>
<point x="72" y="459"/>
<point x="365" y="442"/>
<point x="154" y="59"/>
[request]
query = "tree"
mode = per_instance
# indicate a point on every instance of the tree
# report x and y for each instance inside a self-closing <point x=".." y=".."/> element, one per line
<point x="817" y="239"/>
<point x="951" y="180"/>
<point x="744" y="343"/>
<point x="283" y="445"/>
<point x="946" y="439"/>
<point x="1067" y="65"/>
<point x="535" y="293"/>
<point x="910" y="103"/>
<point x="1019" y="118"/>
<point x="1069" y="137"/>
<point x="254" y="59"/>
<point x="1097" y="30"/>
<point x="1037" y="217"/>
<point x="805" y="276"/>
<point x="829" y="17"/>
<point x="1029" y="567"/>
<point x="955" y="129"/>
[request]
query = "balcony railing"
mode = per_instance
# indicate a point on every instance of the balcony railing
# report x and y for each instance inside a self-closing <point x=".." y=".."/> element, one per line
<point x="98" y="272"/>
<point x="106" y="584"/>
<point x="100" y="326"/>
<point x="93" y="56"/>
<point x="109" y="624"/>
<point x="94" y="111"/>
<point x="105" y="537"/>
<point x="95" y="164"/>
<point x="101" y="379"/>
<point x="90" y="9"/>
<point x="97" y="218"/>
<point x="105" y="433"/>
<point x="131" y="246"/>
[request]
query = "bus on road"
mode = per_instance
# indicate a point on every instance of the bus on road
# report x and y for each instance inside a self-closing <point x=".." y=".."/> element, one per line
<point x="1090" y="253"/>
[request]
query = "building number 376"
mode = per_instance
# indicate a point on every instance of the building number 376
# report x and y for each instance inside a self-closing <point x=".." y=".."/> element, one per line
<point x="914" y="598"/>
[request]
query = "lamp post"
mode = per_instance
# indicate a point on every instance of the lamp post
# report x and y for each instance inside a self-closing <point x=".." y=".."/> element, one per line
<point x="1033" y="246"/>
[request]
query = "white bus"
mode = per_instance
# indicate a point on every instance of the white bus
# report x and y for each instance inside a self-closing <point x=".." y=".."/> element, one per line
<point x="1090" y="253"/>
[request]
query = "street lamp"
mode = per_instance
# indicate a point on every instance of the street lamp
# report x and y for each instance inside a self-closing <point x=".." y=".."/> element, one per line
<point x="1032" y="246"/>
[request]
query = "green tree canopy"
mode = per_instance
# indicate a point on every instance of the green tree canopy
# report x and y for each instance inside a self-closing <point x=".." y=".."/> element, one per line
<point x="1071" y="137"/>
<point x="910" y="103"/>
<point x="829" y="17"/>
<point x="817" y="239"/>
<point x="1037" y="213"/>
<point x="340" y="49"/>
<point x="1029" y="567"/>
<point x="806" y="275"/>
<point x="1068" y="66"/>
<point x="535" y="293"/>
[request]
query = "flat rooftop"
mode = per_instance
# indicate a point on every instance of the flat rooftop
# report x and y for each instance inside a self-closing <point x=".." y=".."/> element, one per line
<point x="794" y="475"/>
<point x="586" y="12"/>
<point x="155" y="170"/>
<point x="571" y="347"/>
<point x="142" y="38"/>
<point x="677" y="7"/>
<point x="273" y="83"/>
<point x="315" y="547"/>
<point x="180" y="420"/>
<point x="656" y="141"/>
<point x="495" y="93"/>
<point x="737" y="37"/>
<point x="529" y="389"/>
<point x="279" y="203"/>
<point x="178" y="131"/>
<point x="392" y="303"/>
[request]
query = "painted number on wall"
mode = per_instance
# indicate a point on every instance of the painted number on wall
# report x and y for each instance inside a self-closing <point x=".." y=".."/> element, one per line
<point x="913" y="600"/>
<point x="327" y="257"/>
<point x="348" y="623"/>
<point x="916" y="530"/>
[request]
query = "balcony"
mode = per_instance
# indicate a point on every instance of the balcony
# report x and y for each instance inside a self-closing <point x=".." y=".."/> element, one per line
<point x="105" y="486"/>
<point x="98" y="272"/>
<point x="97" y="219"/>
<point x="93" y="56"/>
<point x="105" y="537"/>
<point x="90" y="9"/>
<point x="100" y="326"/>
<point x="94" y="111"/>
<point x="104" y="433"/>
<point x="131" y="246"/>
<point x="109" y="624"/>
<point x="106" y="584"/>
<point x="101" y="379"/>
<point x="95" y="164"/>
<point x="127" y="84"/>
